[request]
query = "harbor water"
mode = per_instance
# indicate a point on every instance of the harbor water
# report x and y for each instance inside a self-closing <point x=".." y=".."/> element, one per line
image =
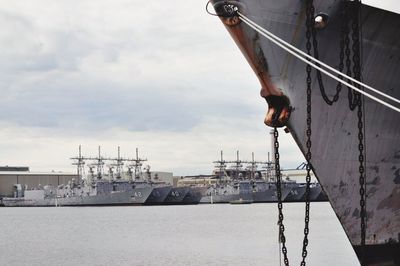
<point x="219" y="234"/>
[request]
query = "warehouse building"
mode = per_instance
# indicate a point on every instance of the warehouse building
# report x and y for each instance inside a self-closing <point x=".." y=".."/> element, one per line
<point x="11" y="175"/>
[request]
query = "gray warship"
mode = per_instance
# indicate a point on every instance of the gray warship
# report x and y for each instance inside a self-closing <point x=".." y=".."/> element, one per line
<point x="236" y="184"/>
<point x="144" y="188"/>
<point x="160" y="191"/>
<point x="176" y="195"/>
<point x="194" y="195"/>
<point x="97" y="188"/>
<point x="155" y="191"/>
<point x="69" y="195"/>
<point x="266" y="191"/>
<point x="135" y="185"/>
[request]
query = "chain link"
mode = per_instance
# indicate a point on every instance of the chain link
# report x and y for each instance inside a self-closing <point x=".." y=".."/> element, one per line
<point x="345" y="52"/>
<point x="343" y="35"/>
<point x="282" y="237"/>
<point x="361" y="171"/>
<point x="357" y="75"/>
<point x="354" y="96"/>
<point x="355" y="99"/>
<point x="310" y="28"/>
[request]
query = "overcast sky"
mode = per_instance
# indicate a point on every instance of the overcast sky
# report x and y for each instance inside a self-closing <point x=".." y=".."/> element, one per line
<point x="159" y="75"/>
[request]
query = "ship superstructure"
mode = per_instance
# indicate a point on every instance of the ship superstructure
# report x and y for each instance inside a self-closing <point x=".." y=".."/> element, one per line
<point x="99" y="187"/>
<point x="239" y="180"/>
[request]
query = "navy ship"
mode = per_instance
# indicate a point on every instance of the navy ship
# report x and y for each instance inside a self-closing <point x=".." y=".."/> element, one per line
<point x="97" y="187"/>
<point x="134" y="185"/>
<point x="155" y="191"/>
<point x="296" y="194"/>
<point x="318" y="64"/>
<point x="266" y="192"/>
<point x="317" y="193"/>
<point x="68" y="195"/>
<point x="226" y="193"/>
<point x="176" y="195"/>
<point x="160" y="191"/>
<point x="194" y="195"/>
<point x="236" y="184"/>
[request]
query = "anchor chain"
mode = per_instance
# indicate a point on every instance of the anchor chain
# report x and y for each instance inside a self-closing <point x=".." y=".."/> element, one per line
<point x="357" y="75"/>
<point x="361" y="170"/>
<point x="343" y="34"/>
<point x="358" y="102"/>
<point x="355" y="98"/>
<point x="282" y="237"/>
<point x="344" y="51"/>
<point x="309" y="33"/>
<point x="310" y="23"/>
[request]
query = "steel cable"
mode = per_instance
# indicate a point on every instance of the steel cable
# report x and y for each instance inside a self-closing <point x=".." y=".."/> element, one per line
<point x="300" y="55"/>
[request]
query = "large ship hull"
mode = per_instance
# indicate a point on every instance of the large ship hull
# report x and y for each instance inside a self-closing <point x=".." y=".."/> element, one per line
<point x="270" y="195"/>
<point x="194" y="195"/>
<point x="228" y="193"/>
<point x="289" y="193"/>
<point x="213" y="199"/>
<point x="158" y="195"/>
<point x="296" y="194"/>
<point x="176" y="195"/>
<point x="317" y="194"/>
<point x="139" y="191"/>
<point x="116" y="198"/>
<point x="334" y="128"/>
<point x="139" y="195"/>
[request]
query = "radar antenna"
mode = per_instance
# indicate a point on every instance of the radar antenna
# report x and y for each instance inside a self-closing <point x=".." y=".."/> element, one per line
<point x="80" y="165"/>
<point x="221" y="166"/>
<point x="237" y="166"/>
<point x="99" y="163"/>
<point x="136" y="164"/>
<point x="253" y="166"/>
<point x="118" y="164"/>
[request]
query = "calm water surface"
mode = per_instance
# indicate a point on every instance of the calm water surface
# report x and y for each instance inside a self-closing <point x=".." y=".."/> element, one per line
<point x="169" y="235"/>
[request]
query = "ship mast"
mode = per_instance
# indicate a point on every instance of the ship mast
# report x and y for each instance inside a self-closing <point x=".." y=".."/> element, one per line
<point x="119" y="163"/>
<point x="80" y="165"/>
<point x="269" y="167"/>
<point x="221" y="166"/>
<point x="237" y="165"/>
<point x="253" y="166"/>
<point x="99" y="164"/>
<point x="272" y="139"/>
<point x="91" y="173"/>
<point x="269" y="164"/>
<point x="137" y="165"/>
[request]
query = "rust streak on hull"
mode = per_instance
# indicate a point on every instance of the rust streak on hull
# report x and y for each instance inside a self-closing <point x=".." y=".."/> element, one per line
<point x="279" y="109"/>
<point x="257" y="61"/>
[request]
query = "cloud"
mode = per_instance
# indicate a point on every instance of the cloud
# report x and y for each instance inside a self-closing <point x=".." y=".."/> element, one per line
<point x="98" y="65"/>
<point x="163" y="76"/>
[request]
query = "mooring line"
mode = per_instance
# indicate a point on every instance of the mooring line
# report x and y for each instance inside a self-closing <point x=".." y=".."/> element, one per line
<point x="287" y="47"/>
